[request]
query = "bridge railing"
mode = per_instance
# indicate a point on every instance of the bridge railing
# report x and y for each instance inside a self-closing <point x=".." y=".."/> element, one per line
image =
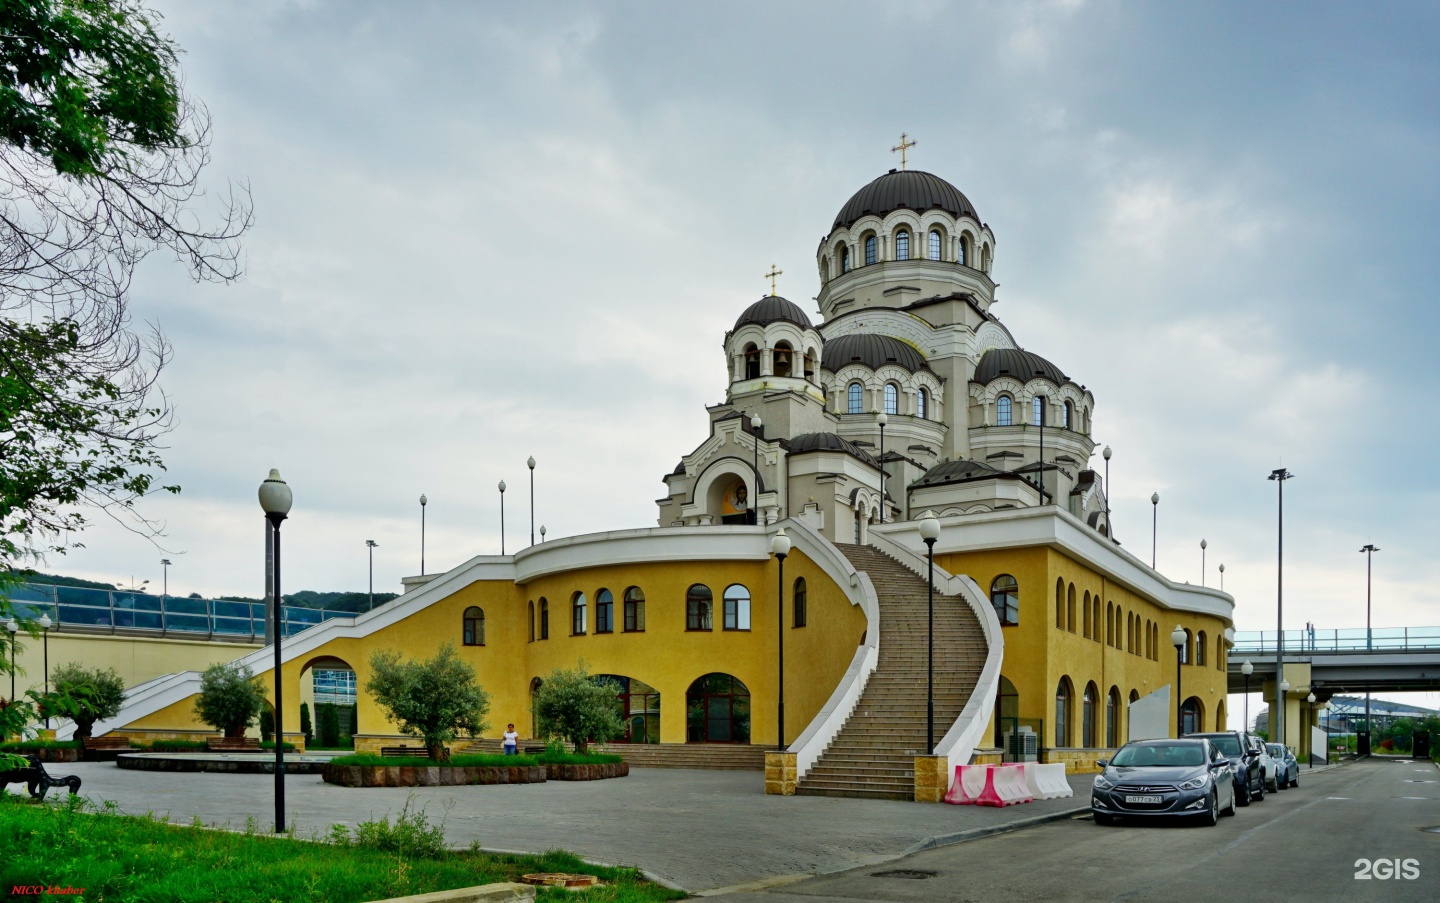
<point x="108" y="610"/>
<point x="1346" y="639"/>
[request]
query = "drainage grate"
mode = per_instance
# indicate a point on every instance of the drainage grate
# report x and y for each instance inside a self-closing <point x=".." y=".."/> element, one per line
<point x="915" y="874"/>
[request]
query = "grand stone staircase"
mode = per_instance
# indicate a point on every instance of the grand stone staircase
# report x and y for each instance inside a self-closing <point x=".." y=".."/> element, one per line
<point x="873" y="754"/>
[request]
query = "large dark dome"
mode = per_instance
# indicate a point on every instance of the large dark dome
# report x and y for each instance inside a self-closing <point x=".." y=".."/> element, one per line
<point x="774" y="309"/>
<point x="1013" y="362"/>
<point x="874" y="351"/>
<point x="907" y="189"/>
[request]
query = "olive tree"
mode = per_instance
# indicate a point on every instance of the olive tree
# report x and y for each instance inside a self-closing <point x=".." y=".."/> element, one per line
<point x="436" y="700"/>
<point x="230" y="698"/>
<point x="84" y="695"/>
<point x="572" y="705"/>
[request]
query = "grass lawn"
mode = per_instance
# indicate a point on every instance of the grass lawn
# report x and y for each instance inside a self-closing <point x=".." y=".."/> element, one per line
<point x="134" y="859"/>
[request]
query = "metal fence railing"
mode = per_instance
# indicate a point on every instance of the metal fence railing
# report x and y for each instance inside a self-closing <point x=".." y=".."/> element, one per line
<point x="111" y="610"/>
<point x="1351" y="639"/>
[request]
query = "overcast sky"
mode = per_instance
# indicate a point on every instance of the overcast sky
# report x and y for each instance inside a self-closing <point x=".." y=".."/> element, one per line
<point x="491" y="231"/>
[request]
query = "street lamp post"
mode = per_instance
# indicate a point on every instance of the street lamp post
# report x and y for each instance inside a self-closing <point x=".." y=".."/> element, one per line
<point x="542" y="532"/>
<point x="1280" y="475"/>
<point x="1309" y="746"/>
<point x="370" y="544"/>
<point x="759" y="426"/>
<point x="1247" y="669"/>
<point x="1106" y="455"/>
<point x="14" y="627"/>
<point x="1369" y="549"/>
<point x="530" y="463"/>
<point x="164" y="592"/>
<point x="1040" y="421"/>
<point x="1177" y="639"/>
<point x="1203" y="546"/>
<point x="1282" y="694"/>
<point x="502" y="517"/>
<point x="45" y="625"/>
<point x="780" y="547"/>
<point x="929" y="532"/>
<point x="423" y="502"/>
<point x="882" y="418"/>
<point x="275" y="501"/>
<point x="1154" y="524"/>
<point x="1222" y="577"/>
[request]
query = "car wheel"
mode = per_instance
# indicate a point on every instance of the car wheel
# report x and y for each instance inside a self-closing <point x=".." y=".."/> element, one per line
<point x="1104" y="818"/>
<point x="1295" y="781"/>
<point x="1242" y="796"/>
<point x="1230" y="809"/>
<point x="1211" y="818"/>
<point x="1274" y="786"/>
<point x="1260" y="789"/>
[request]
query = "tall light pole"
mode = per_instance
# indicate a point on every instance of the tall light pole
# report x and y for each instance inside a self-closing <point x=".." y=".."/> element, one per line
<point x="370" y="545"/>
<point x="275" y="501"/>
<point x="165" y="580"/>
<point x="423" y="502"/>
<point x="1247" y="669"/>
<point x="45" y="625"/>
<point x="1309" y="746"/>
<point x="542" y="532"/>
<point x="780" y="547"/>
<point x="1222" y="577"/>
<point x="1177" y="639"/>
<point x="530" y="463"/>
<point x="930" y="531"/>
<point x="1369" y="549"/>
<point x="882" y="418"/>
<point x="1203" y="546"/>
<point x="502" y="517"/>
<point x="1283" y="693"/>
<point x="1154" y="525"/>
<point x="1280" y="475"/>
<point x="14" y="627"/>
<point x="1109" y="533"/>
<point x="759" y="427"/>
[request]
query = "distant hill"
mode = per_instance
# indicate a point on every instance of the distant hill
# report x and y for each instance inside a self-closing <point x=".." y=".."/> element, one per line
<point x="327" y="601"/>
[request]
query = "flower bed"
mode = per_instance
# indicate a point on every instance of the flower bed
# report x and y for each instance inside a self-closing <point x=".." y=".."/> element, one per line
<point x="430" y="775"/>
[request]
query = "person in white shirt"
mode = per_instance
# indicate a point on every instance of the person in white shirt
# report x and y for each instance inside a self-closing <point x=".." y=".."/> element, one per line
<point x="512" y="741"/>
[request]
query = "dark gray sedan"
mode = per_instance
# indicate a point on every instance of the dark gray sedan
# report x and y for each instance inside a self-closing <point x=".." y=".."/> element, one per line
<point x="1149" y="778"/>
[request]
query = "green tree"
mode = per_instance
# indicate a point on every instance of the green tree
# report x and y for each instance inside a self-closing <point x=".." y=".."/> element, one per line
<point x="230" y="698"/>
<point x="100" y="159"/>
<point x="436" y="700"/>
<point x="84" y="695"/>
<point x="571" y="705"/>
<point x="306" y="727"/>
<point x="329" y="724"/>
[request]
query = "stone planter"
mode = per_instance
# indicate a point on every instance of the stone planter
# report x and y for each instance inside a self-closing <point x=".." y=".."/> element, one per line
<point x="586" y="772"/>
<point x="50" y="754"/>
<point x="429" y="776"/>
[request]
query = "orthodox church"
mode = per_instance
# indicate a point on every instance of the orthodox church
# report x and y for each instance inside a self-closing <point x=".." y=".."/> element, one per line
<point x="899" y="442"/>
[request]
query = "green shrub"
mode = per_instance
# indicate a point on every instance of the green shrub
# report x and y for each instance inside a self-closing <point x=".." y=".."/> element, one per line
<point x="178" y="745"/>
<point x="267" y="722"/>
<point x="27" y="745"/>
<point x="436" y="700"/>
<point x="468" y="761"/>
<point x="230" y="698"/>
<point x="84" y="695"/>
<point x="412" y="835"/>
<point x="306" y="727"/>
<point x="571" y="706"/>
<point x="329" y="723"/>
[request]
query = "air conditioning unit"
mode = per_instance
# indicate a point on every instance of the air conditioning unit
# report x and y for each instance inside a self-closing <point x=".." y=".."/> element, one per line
<point x="1022" y="745"/>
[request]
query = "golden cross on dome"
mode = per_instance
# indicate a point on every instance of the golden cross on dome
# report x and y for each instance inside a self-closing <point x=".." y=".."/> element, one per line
<point x="902" y="147"/>
<point x="771" y="276"/>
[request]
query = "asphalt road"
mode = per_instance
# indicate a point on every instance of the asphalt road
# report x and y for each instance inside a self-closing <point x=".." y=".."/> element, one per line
<point x="1301" y="844"/>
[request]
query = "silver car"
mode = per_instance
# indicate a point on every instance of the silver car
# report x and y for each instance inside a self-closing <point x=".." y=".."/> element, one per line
<point x="1289" y="768"/>
<point x="1149" y="778"/>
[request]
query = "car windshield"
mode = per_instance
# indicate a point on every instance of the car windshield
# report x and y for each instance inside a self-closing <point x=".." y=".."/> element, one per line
<point x="1178" y="755"/>
<point x="1274" y="749"/>
<point x="1227" y="745"/>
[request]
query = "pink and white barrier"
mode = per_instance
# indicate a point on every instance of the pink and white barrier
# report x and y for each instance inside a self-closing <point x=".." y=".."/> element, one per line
<point x="1047" y="782"/>
<point x="989" y="785"/>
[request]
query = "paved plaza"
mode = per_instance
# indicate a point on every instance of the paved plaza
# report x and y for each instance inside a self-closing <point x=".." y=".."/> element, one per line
<point x="697" y="830"/>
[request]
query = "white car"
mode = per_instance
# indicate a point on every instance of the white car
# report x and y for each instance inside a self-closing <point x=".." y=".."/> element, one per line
<point x="1270" y="768"/>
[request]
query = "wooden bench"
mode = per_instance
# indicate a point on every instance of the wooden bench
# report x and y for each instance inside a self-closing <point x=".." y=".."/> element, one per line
<point x="104" y="749"/>
<point x="232" y="744"/>
<point x="404" y="752"/>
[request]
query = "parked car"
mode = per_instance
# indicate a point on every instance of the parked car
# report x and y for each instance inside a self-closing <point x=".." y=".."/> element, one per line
<point x="1268" y="766"/>
<point x="1289" y="767"/>
<point x="1245" y="763"/>
<point x="1149" y="778"/>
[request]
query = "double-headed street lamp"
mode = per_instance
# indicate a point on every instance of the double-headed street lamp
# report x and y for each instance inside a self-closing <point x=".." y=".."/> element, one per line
<point x="780" y="547"/>
<point x="1177" y="639"/>
<point x="929" y="532"/>
<point x="275" y="501"/>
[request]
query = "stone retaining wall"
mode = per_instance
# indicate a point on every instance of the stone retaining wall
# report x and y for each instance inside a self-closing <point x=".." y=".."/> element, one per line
<point x="49" y="754"/>
<point x="586" y="772"/>
<point x="430" y="776"/>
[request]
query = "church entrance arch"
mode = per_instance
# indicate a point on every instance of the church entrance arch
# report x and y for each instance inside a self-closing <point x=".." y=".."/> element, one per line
<point x="717" y="710"/>
<point x="1007" y="712"/>
<point x="639" y="708"/>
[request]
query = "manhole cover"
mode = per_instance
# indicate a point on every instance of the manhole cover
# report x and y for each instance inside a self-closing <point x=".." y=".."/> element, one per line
<point x="1433" y="829"/>
<point x="915" y="874"/>
<point x="560" y="879"/>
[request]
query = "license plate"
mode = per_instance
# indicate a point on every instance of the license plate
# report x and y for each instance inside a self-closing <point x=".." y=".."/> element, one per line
<point x="1144" y="799"/>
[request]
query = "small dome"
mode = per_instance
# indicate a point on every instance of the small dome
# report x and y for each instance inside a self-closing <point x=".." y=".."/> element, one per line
<point x="814" y="442"/>
<point x="874" y="351"/>
<point x="955" y="472"/>
<point x="907" y="189"/>
<point x="774" y="309"/>
<point x="1013" y="362"/>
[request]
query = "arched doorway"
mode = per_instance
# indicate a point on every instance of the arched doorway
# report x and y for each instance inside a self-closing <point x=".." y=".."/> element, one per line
<point x="1007" y="713"/>
<point x="717" y="710"/>
<point x="1112" y="718"/>
<point x="329" y="690"/>
<point x="639" y="708"/>
<point x="1192" y="716"/>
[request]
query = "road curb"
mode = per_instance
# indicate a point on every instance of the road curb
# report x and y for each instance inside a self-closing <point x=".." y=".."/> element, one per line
<point x="945" y="840"/>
